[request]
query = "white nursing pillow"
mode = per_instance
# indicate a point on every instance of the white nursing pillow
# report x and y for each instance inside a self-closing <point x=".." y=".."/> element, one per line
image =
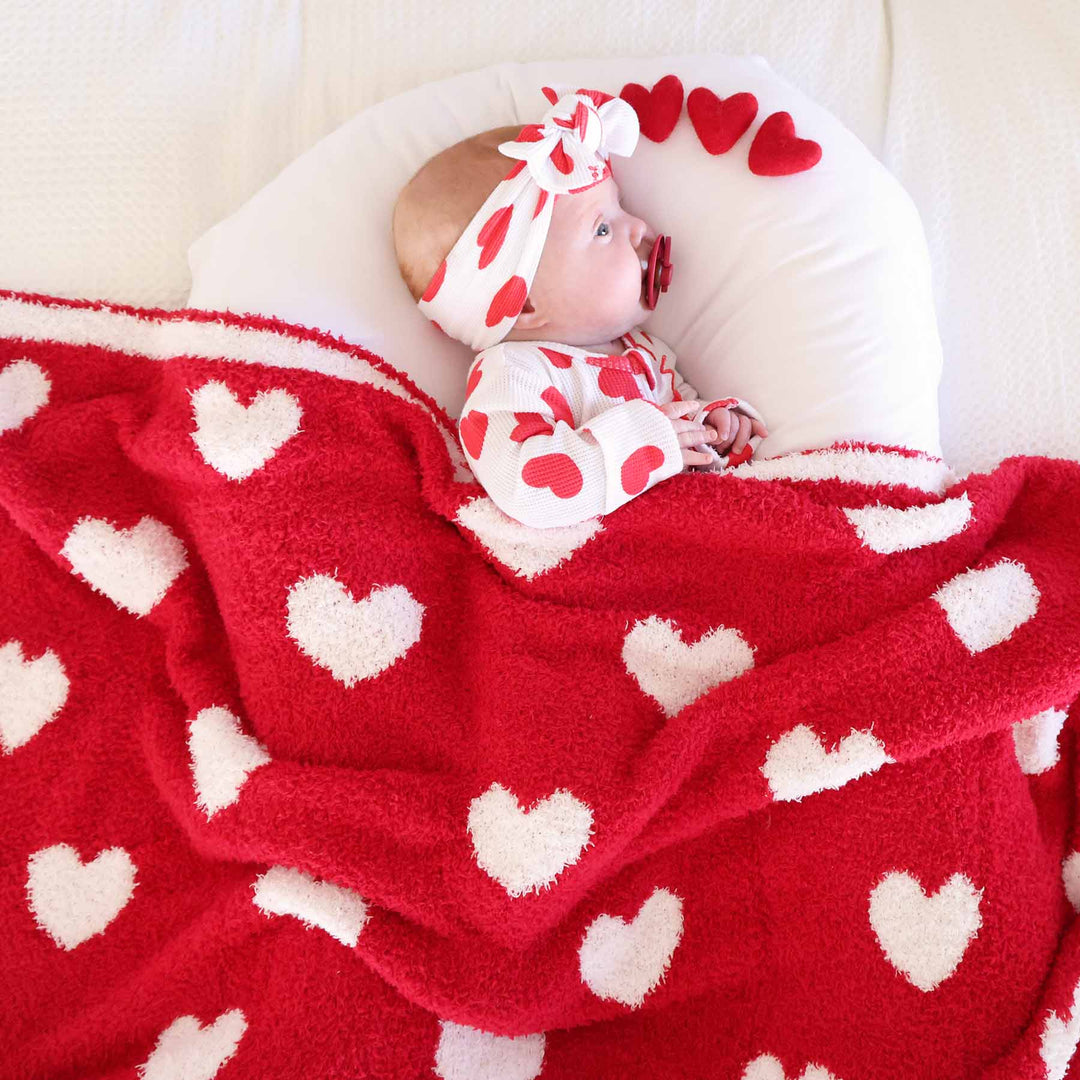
<point x="801" y="275"/>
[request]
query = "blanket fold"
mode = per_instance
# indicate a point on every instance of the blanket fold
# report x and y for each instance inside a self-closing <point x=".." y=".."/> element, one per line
<point x="315" y="763"/>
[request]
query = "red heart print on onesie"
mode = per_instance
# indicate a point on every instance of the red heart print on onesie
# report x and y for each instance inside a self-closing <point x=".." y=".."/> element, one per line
<point x="559" y="359"/>
<point x="636" y="468"/>
<point x="637" y="362"/>
<point x="529" y="424"/>
<point x="474" y="378"/>
<point x="657" y="109"/>
<point x="473" y="428"/>
<point x="559" y="406"/>
<point x="615" y="383"/>
<point x="778" y="151"/>
<point x="720" y="122"/>
<point x="556" y="471"/>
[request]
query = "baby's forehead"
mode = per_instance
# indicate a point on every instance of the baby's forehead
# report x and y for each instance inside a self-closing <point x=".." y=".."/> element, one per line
<point x="592" y="198"/>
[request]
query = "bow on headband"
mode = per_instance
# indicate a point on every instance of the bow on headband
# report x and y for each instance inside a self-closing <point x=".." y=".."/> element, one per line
<point x="479" y="289"/>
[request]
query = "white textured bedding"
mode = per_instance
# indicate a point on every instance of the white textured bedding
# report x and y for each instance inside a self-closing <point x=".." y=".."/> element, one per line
<point x="126" y="131"/>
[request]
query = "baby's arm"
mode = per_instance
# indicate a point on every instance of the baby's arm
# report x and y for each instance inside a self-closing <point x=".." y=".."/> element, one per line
<point x="539" y="466"/>
<point x="739" y="425"/>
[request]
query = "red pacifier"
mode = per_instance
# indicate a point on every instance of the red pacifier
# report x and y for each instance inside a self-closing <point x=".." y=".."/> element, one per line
<point x="658" y="273"/>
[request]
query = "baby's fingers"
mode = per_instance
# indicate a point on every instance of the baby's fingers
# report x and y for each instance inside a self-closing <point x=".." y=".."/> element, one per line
<point x="695" y="436"/>
<point x="700" y="431"/>
<point x="679" y="408"/>
<point x="743" y="435"/>
<point x="759" y="428"/>
<point x="694" y="457"/>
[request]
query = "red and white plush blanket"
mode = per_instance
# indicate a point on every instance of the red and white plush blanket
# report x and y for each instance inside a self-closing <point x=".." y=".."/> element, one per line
<point x="314" y="764"/>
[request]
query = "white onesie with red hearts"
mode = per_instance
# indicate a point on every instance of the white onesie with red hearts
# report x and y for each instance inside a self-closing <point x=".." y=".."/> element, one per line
<point x="556" y="434"/>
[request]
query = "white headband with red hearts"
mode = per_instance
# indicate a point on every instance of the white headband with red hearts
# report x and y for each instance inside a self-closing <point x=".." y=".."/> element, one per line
<point x="479" y="289"/>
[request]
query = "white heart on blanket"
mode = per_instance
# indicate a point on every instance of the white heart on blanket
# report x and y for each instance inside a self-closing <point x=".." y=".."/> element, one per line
<point x="236" y="439"/>
<point x="675" y="673"/>
<point x="625" y="961"/>
<point x="24" y="388"/>
<point x="32" y="692"/>
<point x="1059" y="1039"/>
<point x="186" y="1051"/>
<point x="889" y="529"/>
<point x="984" y="607"/>
<point x="525" y="850"/>
<point x="72" y="900"/>
<point x="222" y="758"/>
<point x="132" y="567"/>
<point x="924" y="937"/>
<point x="352" y="639"/>
<point x="766" y="1067"/>
<point x="1036" y="741"/>
<point x="339" y="911"/>
<point x="798" y="764"/>
<point x="466" y="1053"/>
<point x="528" y="551"/>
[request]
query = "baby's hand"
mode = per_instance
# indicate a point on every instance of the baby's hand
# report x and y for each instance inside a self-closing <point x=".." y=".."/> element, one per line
<point x="733" y="429"/>
<point x="689" y="432"/>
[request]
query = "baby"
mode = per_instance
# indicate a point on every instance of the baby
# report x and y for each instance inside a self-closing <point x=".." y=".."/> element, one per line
<point x="571" y="409"/>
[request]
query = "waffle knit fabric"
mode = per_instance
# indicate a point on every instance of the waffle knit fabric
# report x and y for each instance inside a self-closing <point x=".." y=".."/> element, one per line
<point x="557" y="434"/>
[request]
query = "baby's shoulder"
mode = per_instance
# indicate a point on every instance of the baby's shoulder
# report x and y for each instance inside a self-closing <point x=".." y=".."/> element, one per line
<point x="523" y="355"/>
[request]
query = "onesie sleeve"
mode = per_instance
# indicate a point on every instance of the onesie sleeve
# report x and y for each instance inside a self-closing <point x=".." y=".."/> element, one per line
<point x="544" y="469"/>
<point x="684" y="391"/>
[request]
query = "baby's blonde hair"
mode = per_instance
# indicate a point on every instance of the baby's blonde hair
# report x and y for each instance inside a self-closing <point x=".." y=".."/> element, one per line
<point x="435" y="207"/>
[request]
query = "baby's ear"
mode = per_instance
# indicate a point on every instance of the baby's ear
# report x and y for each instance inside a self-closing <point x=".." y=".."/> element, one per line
<point x="530" y="318"/>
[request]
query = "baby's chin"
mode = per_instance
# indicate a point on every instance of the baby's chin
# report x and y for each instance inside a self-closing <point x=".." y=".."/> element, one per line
<point x="636" y="314"/>
<point x="640" y="313"/>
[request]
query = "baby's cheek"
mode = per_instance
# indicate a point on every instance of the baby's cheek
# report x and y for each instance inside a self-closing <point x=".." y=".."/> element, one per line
<point x="617" y="290"/>
<point x="591" y="302"/>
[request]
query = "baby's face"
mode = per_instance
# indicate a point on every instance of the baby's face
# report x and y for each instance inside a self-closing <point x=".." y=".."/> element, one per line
<point x="589" y="286"/>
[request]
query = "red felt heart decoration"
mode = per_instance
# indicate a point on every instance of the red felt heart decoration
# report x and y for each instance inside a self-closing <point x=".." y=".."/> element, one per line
<point x="778" y="151"/>
<point x="657" y="109"/>
<point x="720" y="122"/>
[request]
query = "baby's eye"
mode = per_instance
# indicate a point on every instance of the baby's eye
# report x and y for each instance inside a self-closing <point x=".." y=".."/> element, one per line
<point x="603" y="225"/>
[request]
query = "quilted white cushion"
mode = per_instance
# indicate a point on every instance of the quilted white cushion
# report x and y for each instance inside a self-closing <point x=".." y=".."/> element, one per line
<point x="807" y="294"/>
